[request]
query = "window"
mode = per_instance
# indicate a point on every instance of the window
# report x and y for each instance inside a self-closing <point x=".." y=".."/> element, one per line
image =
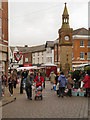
<point x="26" y="59"/>
<point x="81" y="55"/>
<point x="88" y="56"/>
<point x="59" y="57"/>
<point x="55" y="57"/>
<point x="0" y="28"/>
<point x="38" y="60"/>
<point x="55" y="47"/>
<point x="88" y="43"/>
<point x="72" y="56"/>
<point x="0" y="4"/>
<point x="34" y="60"/>
<point x="42" y="60"/>
<point x="81" y="43"/>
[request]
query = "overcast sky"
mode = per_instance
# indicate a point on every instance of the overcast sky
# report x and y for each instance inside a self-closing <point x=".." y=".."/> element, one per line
<point x="34" y="23"/>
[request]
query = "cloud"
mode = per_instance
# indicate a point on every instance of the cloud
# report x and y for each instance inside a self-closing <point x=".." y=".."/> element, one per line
<point x="35" y="23"/>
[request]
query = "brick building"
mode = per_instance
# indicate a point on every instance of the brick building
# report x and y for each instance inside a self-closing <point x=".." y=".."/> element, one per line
<point x="81" y="47"/>
<point x="4" y="36"/>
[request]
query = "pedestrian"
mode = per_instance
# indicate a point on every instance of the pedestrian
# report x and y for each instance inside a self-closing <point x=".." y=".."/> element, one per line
<point x="39" y="80"/>
<point x="28" y="87"/>
<point x="56" y="78"/>
<point x="44" y="77"/>
<point x="70" y="83"/>
<point x="14" y="77"/>
<point x="52" y="79"/>
<point x="87" y="83"/>
<point x="11" y="83"/>
<point x="4" y="81"/>
<point x="62" y="84"/>
<point x="23" y="80"/>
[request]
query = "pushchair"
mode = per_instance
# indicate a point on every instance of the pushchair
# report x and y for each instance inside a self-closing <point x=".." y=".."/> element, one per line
<point x="38" y="92"/>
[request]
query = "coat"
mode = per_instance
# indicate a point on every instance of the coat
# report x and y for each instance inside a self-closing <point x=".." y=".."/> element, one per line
<point x="69" y="83"/>
<point x="52" y="77"/>
<point x="62" y="81"/>
<point x="39" y="83"/>
<point x="87" y="81"/>
<point x="28" y="81"/>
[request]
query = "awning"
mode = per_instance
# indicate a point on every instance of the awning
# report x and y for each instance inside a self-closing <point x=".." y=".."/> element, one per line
<point x="81" y="65"/>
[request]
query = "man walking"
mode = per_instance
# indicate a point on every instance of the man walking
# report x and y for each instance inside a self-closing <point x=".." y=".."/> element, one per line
<point x="28" y="87"/>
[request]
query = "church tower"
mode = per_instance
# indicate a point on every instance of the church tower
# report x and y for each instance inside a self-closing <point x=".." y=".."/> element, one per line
<point x="65" y="42"/>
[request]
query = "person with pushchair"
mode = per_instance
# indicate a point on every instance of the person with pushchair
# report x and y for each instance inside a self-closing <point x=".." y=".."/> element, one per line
<point x="28" y="86"/>
<point x="39" y="80"/>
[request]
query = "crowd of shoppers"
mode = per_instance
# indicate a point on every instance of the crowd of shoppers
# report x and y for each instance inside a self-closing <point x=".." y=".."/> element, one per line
<point x="59" y="80"/>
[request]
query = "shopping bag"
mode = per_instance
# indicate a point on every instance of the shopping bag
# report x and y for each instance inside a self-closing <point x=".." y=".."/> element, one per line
<point x="55" y="87"/>
<point x="17" y="81"/>
<point x="82" y="83"/>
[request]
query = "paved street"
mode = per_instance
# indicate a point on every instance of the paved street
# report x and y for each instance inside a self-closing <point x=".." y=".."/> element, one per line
<point x="50" y="107"/>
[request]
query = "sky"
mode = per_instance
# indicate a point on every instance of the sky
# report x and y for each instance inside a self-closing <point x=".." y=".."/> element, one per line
<point x="35" y="22"/>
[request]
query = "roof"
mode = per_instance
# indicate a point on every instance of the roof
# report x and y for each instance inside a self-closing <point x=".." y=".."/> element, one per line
<point x="29" y="49"/>
<point x="65" y="12"/>
<point x="81" y="31"/>
<point x="37" y="48"/>
<point x="49" y="44"/>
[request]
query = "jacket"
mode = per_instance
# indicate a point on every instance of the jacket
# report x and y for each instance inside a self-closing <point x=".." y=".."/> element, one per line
<point x="69" y="83"/>
<point x="52" y="77"/>
<point x="87" y="81"/>
<point x="39" y="82"/>
<point x="62" y="81"/>
<point x="28" y="81"/>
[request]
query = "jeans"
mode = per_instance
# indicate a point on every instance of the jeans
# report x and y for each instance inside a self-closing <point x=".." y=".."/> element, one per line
<point x="61" y="91"/>
<point x="11" y="89"/>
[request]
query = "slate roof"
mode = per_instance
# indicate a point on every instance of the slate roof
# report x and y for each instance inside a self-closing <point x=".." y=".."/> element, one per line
<point x="29" y="49"/>
<point x="81" y="31"/>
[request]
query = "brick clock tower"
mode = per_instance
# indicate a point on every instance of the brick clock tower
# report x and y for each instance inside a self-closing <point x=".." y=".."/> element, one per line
<point x="65" y="42"/>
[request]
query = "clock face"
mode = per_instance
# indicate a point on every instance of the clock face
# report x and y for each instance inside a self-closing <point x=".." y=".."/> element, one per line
<point x="67" y="38"/>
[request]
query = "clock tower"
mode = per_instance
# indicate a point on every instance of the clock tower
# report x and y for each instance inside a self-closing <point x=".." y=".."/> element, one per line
<point x="65" y="42"/>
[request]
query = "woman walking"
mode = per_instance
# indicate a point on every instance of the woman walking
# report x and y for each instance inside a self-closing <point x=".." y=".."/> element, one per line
<point x="70" y="83"/>
<point x="11" y="83"/>
<point x="62" y="84"/>
<point x="87" y="83"/>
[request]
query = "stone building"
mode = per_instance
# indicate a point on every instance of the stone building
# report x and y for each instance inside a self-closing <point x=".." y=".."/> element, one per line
<point x="65" y="42"/>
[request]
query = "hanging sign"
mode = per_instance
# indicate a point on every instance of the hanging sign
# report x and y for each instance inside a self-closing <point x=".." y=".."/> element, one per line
<point x="18" y="56"/>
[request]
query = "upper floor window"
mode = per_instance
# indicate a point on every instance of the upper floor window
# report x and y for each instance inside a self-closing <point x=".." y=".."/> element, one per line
<point x="88" y="43"/>
<point x="81" y="55"/>
<point x="0" y="28"/>
<point x="0" y="4"/>
<point x="55" y="47"/>
<point x="81" y="43"/>
<point x="88" y="56"/>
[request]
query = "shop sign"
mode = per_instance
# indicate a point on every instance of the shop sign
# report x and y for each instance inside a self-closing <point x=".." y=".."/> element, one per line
<point x="27" y="65"/>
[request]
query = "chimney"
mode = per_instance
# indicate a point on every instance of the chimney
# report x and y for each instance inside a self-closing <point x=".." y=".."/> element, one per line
<point x="26" y="45"/>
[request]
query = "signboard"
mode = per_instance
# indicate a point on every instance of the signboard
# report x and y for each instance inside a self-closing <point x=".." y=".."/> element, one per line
<point x="27" y="65"/>
<point x="18" y="56"/>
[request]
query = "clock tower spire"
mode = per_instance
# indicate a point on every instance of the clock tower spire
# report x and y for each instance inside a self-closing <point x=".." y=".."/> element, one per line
<point x="65" y="42"/>
<point x="65" y="18"/>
